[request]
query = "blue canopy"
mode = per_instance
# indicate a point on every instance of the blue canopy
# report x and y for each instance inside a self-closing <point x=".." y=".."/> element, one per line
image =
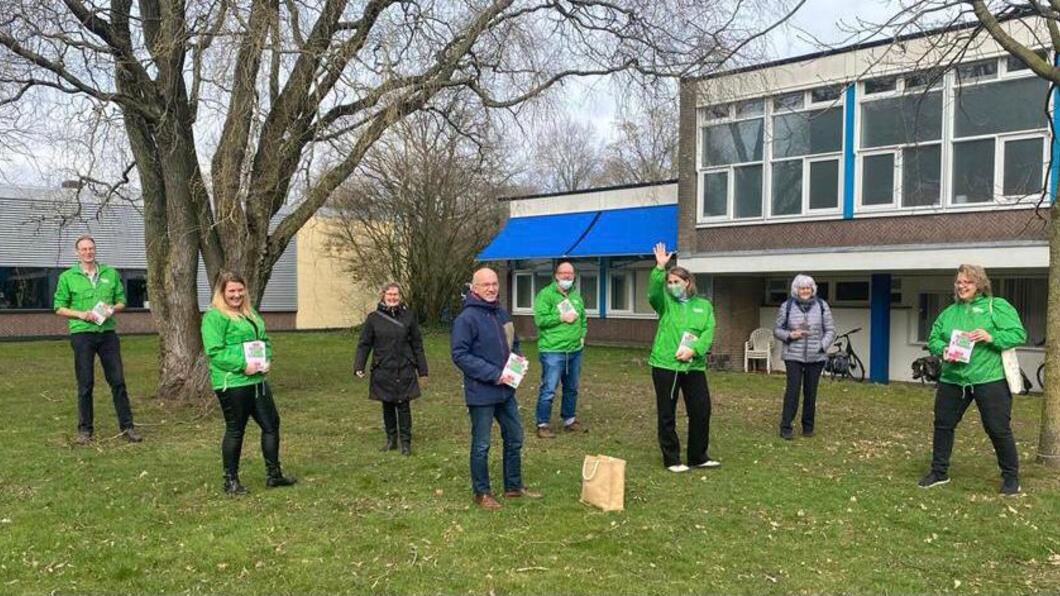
<point x="538" y="237"/>
<point x="632" y="231"/>
<point x="607" y="233"/>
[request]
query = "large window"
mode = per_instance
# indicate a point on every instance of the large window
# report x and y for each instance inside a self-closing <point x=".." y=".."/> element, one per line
<point x="628" y="290"/>
<point x="901" y="150"/>
<point x="731" y="158"/>
<point x="806" y="152"/>
<point x="528" y="283"/>
<point x="27" y="287"/>
<point x="998" y="152"/>
<point x="33" y="288"/>
<point x="1029" y="296"/>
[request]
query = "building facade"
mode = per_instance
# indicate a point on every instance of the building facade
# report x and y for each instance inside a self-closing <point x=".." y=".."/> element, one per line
<point x="38" y="228"/>
<point x="608" y="234"/>
<point x="878" y="172"/>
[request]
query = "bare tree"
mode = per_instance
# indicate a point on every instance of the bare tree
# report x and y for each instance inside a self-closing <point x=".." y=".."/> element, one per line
<point x="229" y="111"/>
<point x="419" y="208"/>
<point x="645" y="145"/>
<point x="1023" y="29"/>
<point x="567" y="156"/>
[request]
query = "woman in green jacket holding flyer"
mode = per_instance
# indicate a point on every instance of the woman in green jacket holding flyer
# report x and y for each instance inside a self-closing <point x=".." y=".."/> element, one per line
<point x="969" y="336"/>
<point x="679" y="361"/>
<point x="240" y="355"/>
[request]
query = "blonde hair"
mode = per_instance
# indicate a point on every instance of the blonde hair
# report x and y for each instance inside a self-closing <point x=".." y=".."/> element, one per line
<point x="218" y="301"/>
<point x="977" y="275"/>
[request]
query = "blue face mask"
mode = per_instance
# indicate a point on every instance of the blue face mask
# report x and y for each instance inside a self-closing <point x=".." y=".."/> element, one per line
<point x="677" y="290"/>
<point x="565" y="284"/>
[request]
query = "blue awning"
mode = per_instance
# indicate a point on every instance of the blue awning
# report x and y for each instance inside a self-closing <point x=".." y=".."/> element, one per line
<point x="632" y="231"/>
<point x="608" y="233"/>
<point x="538" y="237"/>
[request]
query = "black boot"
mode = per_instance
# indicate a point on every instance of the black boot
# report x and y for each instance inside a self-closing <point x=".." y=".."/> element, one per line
<point x="276" y="478"/>
<point x="404" y="419"/>
<point x="233" y="486"/>
<point x="391" y="442"/>
<point x="390" y="424"/>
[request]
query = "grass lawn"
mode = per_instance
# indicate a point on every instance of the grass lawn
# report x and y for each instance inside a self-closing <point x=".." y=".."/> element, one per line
<point x="836" y="513"/>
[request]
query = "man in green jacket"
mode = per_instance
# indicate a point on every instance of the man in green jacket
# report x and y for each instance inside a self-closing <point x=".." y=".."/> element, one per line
<point x="559" y="313"/>
<point x="89" y="294"/>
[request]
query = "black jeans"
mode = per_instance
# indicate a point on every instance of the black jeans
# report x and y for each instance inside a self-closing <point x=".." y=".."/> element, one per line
<point x="994" y="401"/>
<point x="397" y="419"/>
<point x="693" y="385"/>
<point x="240" y="404"/>
<point x="805" y="375"/>
<point x="86" y="346"/>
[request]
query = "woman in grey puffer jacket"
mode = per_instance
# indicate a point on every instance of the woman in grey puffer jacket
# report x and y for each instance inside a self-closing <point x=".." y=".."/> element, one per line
<point x="805" y="327"/>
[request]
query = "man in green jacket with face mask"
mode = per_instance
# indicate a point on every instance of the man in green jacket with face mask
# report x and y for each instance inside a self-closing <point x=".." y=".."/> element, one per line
<point x="89" y="294"/>
<point x="559" y="313"/>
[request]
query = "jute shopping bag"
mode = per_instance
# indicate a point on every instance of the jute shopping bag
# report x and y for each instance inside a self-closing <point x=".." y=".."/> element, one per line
<point x="604" y="482"/>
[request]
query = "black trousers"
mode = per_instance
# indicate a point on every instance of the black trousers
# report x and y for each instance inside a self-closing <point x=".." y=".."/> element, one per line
<point x="239" y="404"/>
<point x="86" y="346"/>
<point x="693" y="386"/>
<point x="994" y="401"/>
<point x="397" y="419"/>
<point x="805" y="375"/>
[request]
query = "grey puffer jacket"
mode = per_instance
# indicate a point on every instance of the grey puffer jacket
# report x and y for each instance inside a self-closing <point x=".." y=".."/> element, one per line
<point x="817" y="319"/>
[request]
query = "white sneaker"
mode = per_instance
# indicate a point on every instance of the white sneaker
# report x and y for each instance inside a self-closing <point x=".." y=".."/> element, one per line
<point x="678" y="468"/>
<point x="710" y="463"/>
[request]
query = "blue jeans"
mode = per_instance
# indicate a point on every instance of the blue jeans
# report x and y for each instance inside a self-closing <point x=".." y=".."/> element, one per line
<point x="557" y="367"/>
<point x="507" y="415"/>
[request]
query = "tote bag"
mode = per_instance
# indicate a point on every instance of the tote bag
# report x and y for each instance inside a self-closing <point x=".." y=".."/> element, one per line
<point x="604" y="482"/>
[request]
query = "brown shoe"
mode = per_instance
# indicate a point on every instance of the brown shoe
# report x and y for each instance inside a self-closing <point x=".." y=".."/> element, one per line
<point x="522" y="492"/>
<point x="487" y="501"/>
<point x="544" y="432"/>
<point x="575" y="427"/>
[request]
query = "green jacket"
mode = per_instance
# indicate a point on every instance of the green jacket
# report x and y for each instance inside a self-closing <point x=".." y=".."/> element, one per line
<point x="695" y="315"/>
<point x="553" y="334"/>
<point x="76" y="292"/>
<point x="222" y="338"/>
<point x="994" y="315"/>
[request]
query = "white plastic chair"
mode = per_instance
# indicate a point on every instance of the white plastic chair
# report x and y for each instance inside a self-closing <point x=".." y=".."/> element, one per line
<point x="759" y="347"/>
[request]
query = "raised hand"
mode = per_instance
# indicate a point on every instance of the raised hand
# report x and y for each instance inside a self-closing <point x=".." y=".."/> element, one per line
<point x="661" y="256"/>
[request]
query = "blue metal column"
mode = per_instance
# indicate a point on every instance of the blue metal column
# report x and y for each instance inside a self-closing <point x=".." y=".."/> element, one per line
<point x="849" y="107"/>
<point x="880" y="328"/>
<point x="601" y="296"/>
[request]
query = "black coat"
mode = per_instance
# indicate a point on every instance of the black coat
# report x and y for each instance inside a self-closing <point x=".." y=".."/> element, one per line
<point x="393" y="338"/>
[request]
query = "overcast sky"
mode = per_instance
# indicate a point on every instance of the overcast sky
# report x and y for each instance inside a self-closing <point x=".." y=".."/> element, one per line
<point x="819" y="24"/>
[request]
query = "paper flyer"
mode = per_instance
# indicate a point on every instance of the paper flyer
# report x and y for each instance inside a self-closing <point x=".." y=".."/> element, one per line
<point x="516" y="368"/>
<point x="960" y="348"/>
<point x="254" y="353"/>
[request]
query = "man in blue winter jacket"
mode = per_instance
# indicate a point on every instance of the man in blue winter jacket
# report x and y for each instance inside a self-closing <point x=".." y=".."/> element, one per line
<point x="482" y="339"/>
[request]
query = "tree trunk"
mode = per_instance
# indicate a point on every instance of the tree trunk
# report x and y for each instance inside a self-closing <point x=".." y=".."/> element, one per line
<point x="1049" y="440"/>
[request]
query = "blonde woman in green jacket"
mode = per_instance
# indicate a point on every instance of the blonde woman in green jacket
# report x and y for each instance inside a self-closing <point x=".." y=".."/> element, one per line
<point x="988" y="325"/>
<point x="240" y="355"/>
<point x="678" y="361"/>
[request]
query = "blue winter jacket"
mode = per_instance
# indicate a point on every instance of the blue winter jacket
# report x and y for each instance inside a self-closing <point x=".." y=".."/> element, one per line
<point x="480" y="350"/>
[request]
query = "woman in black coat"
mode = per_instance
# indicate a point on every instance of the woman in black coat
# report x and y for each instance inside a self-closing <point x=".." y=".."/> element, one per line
<point x="393" y="336"/>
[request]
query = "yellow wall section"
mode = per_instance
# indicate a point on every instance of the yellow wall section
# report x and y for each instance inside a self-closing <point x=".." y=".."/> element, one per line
<point x="327" y="296"/>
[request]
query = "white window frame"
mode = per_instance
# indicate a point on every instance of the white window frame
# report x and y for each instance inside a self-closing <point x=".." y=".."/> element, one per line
<point x="837" y="156"/>
<point x="581" y="286"/>
<point x="630" y="282"/>
<point x="730" y="169"/>
<point x="999" y="198"/>
<point x="522" y="310"/>
<point x="833" y="286"/>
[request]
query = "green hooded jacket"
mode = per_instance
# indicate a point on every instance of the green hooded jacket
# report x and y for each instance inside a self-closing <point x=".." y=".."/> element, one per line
<point x="994" y="315"/>
<point x="553" y="334"/>
<point x="223" y="338"/>
<point x="76" y="292"/>
<point x="695" y="315"/>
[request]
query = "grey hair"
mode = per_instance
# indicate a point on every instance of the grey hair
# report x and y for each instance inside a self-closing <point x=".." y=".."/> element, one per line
<point x="802" y="281"/>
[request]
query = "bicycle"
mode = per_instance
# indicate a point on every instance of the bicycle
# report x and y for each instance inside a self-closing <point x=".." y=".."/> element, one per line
<point x="842" y="361"/>
<point x="1041" y="370"/>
